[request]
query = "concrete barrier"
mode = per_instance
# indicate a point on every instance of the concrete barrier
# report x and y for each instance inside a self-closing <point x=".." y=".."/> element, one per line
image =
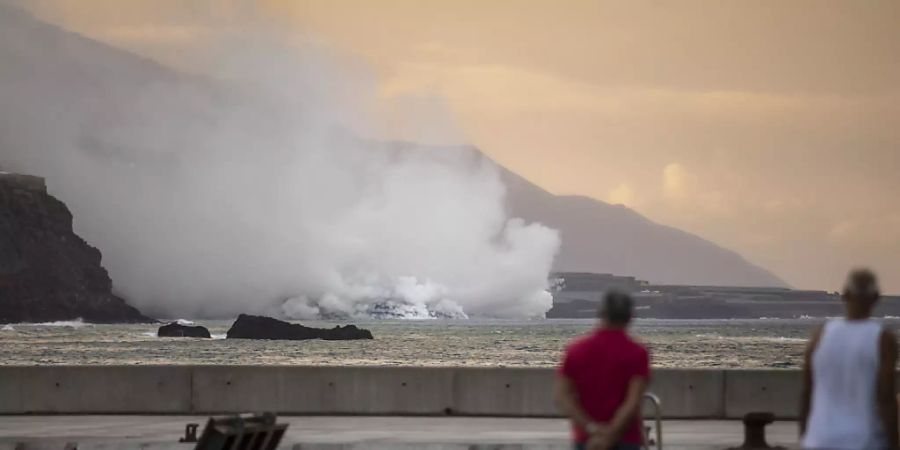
<point x="322" y="390"/>
<point x="775" y="391"/>
<point x="513" y="392"/>
<point x="95" y="389"/>
<point x="689" y="393"/>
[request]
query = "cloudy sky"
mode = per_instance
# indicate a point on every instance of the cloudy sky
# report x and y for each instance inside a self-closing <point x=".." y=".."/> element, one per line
<point x="769" y="127"/>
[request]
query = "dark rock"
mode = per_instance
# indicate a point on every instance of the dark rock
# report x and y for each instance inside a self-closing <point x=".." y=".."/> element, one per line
<point x="47" y="272"/>
<point x="258" y="327"/>
<point x="176" y="329"/>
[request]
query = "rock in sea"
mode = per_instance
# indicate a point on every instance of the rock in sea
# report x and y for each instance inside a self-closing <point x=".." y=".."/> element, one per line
<point x="258" y="327"/>
<point x="176" y="329"/>
<point x="47" y="272"/>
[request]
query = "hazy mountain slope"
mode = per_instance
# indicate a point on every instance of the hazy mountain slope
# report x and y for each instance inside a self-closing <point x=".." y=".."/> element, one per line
<point x="48" y="72"/>
<point x="55" y="69"/>
<point x="599" y="237"/>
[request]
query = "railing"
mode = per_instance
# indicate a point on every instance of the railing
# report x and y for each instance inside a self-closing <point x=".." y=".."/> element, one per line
<point x="649" y="442"/>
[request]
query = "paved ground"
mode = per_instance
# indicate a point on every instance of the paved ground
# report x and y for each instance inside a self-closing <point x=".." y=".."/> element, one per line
<point x="358" y="433"/>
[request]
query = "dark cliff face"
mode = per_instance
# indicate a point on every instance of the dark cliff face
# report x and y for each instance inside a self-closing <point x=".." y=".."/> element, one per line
<point x="47" y="272"/>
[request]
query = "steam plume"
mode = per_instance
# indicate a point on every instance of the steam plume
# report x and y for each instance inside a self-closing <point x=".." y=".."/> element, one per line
<point x="249" y="187"/>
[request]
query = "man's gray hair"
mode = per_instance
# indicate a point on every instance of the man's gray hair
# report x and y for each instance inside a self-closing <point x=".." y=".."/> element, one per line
<point x="617" y="307"/>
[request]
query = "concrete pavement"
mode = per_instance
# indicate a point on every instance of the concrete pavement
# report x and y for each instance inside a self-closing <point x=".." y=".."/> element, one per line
<point x="359" y="433"/>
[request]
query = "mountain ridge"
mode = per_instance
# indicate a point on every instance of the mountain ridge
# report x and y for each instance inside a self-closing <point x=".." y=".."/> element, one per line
<point x="596" y="236"/>
<point x="635" y="246"/>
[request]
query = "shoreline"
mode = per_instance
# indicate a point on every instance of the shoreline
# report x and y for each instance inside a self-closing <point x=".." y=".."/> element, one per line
<point x="715" y="344"/>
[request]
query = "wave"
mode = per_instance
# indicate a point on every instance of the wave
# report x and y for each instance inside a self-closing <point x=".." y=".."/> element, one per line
<point x="77" y="323"/>
<point x="182" y="322"/>
<point x="708" y="336"/>
<point x="783" y="339"/>
<point x="7" y="328"/>
<point x="779" y="339"/>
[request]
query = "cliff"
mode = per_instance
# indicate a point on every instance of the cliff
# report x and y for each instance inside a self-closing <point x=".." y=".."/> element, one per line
<point x="47" y="272"/>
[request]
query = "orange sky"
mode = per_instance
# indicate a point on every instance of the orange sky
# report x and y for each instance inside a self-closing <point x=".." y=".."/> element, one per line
<point x="769" y="127"/>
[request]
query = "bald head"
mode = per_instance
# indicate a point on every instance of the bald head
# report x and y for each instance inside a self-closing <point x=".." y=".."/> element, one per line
<point x="861" y="292"/>
<point x="862" y="284"/>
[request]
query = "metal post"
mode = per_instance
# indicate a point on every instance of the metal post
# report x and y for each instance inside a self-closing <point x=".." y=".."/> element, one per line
<point x="657" y="417"/>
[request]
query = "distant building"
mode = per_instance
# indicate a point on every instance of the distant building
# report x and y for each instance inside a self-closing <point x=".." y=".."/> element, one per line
<point x="578" y="294"/>
<point x="584" y="281"/>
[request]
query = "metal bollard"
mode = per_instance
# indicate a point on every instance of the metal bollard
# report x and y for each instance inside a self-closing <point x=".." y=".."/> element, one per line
<point x="755" y="432"/>
<point x="190" y="433"/>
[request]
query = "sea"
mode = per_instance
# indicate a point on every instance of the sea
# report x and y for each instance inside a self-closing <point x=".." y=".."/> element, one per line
<point x="758" y="343"/>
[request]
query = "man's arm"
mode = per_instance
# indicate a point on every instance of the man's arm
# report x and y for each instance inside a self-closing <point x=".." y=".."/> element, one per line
<point x="629" y="408"/>
<point x="806" y="392"/>
<point x="568" y="403"/>
<point x="887" y="394"/>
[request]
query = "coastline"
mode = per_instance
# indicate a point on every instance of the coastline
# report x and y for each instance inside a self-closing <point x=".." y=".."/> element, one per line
<point x="445" y="343"/>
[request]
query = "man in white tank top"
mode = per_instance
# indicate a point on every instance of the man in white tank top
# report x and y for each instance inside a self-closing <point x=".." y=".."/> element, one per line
<point x="848" y="400"/>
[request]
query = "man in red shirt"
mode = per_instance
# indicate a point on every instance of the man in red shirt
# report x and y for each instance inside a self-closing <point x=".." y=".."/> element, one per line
<point x="602" y="380"/>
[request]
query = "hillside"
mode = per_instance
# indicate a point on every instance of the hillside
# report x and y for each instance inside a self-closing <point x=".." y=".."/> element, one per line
<point x="603" y="238"/>
<point x="84" y="84"/>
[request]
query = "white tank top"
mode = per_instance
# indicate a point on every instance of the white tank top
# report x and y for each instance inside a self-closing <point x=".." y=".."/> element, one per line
<point x="844" y="409"/>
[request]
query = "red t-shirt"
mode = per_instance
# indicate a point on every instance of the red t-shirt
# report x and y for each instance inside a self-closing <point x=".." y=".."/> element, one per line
<point x="600" y="366"/>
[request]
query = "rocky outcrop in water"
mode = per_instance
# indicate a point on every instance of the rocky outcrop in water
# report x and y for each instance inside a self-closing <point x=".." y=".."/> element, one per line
<point x="258" y="327"/>
<point x="176" y="329"/>
<point x="47" y="272"/>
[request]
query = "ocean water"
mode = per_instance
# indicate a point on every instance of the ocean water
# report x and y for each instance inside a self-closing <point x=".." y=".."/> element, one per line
<point x="538" y="343"/>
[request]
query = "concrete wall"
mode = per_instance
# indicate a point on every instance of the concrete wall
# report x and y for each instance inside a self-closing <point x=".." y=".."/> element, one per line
<point x="100" y="389"/>
<point x="688" y="393"/>
<point x="778" y="391"/>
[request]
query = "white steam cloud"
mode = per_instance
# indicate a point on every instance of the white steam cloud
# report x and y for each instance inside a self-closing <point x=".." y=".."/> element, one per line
<point x="248" y="189"/>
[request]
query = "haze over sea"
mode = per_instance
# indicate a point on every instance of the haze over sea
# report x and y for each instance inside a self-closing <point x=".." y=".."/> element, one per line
<point x="773" y="343"/>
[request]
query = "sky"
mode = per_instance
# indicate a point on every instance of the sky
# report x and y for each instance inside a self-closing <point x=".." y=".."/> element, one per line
<point x="769" y="127"/>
